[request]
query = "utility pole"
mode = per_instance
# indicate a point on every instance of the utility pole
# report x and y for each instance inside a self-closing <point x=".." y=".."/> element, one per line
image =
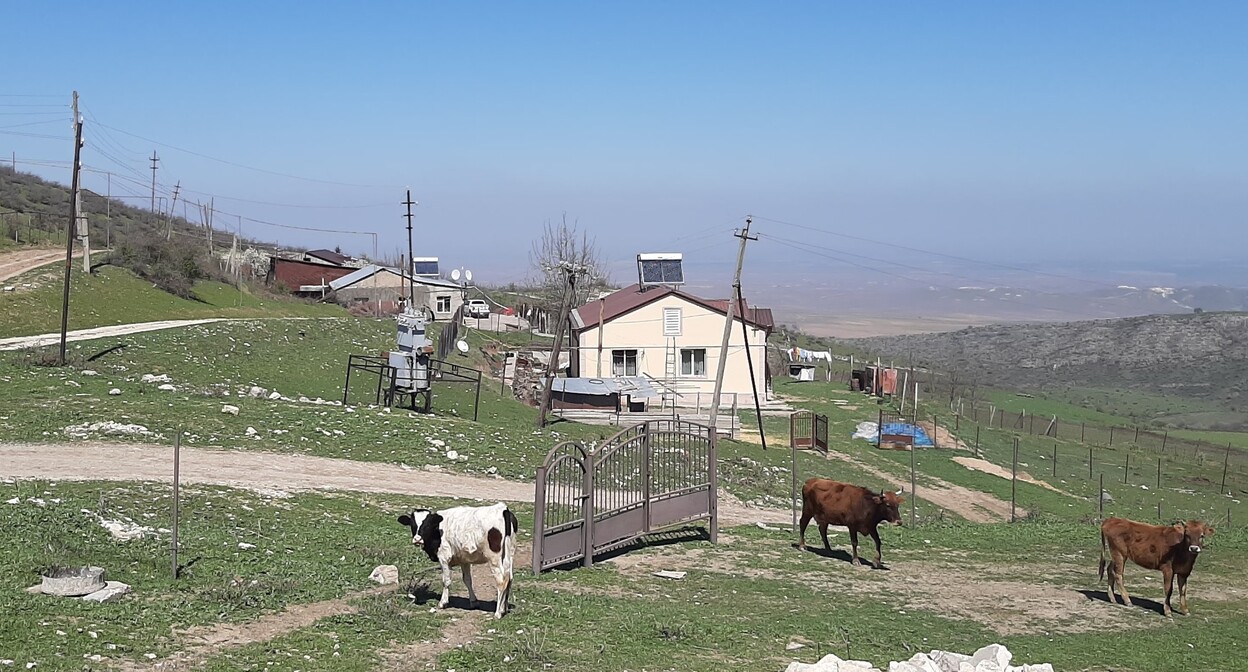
<point x="410" y="266"/>
<point x="80" y="221"/>
<point x="155" y="160"/>
<point x="571" y="271"/>
<point x="69" y="231"/>
<point x="172" y="206"/>
<point x="744" y="235"/>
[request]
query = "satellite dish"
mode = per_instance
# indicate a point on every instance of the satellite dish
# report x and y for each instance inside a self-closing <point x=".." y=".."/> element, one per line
<point x="455" y="274"/>
<point x="468" y="276"/>
<point x="462" y="346"/>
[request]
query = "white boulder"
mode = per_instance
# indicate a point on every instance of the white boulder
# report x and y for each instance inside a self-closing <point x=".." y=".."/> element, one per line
<point x="385" y="574"/>
<point x="229" y="409"/>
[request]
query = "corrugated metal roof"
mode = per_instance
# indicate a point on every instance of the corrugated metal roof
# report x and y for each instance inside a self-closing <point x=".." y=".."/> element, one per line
<point x="635" y="386"/>
<point x="371" y="269"/>
<point x="632" y="297"/>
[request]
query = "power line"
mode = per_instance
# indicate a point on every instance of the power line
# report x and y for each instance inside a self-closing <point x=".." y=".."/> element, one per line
<point x="931" y="252"/>
<point x="246" y="167"/>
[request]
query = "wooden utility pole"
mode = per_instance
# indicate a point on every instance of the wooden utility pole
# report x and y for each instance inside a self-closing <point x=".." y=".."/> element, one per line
<point x="744" y="235"/>
<point x="69" y="230"/>
<point x="80" y="221"/>
<point x="155" y="160"/>
<point x="749" y="360"/>
<point x="569" y="292"/>
<point x="411" y="262"/>
<point x="169" y="215"/>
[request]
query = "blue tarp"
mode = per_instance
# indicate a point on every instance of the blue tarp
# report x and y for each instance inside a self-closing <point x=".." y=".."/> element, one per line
<point x="921" y="438"/>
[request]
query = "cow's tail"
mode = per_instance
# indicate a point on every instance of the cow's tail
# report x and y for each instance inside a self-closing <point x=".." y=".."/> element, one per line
<point x="1100" y="572"/>
<point x="510" y="527"/>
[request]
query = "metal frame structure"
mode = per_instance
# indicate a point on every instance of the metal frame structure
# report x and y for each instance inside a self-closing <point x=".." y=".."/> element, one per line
<point x="807" y="431"/>
<point x="655" y="475"/>
<point x="389" y="394"/>
<point x="889" y="417"/>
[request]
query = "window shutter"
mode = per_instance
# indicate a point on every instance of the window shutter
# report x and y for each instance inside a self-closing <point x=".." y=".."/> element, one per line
<point x="671" y="321"/>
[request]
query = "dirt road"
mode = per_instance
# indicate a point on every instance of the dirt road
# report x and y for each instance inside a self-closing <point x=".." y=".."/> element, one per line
<point x="13" y="264"/>
<point x="20" y="342"/>
<point x="88" y="461"/>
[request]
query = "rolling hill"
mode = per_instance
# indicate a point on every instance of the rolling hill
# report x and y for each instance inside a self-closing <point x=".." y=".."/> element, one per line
<point x="1193" y="368"/>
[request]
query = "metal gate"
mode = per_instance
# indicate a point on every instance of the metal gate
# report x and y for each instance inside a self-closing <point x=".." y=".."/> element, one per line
<point x="808" y="429"/>
<point x="653" y="475"/>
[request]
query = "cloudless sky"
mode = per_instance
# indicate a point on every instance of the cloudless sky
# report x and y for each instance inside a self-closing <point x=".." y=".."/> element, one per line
<point x="1017" y="131"/>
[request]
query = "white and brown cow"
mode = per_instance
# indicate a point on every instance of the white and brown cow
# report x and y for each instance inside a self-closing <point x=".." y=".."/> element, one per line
<point x="464" y="536"/>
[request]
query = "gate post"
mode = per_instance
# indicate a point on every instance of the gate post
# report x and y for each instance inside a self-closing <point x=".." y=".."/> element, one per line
<point x="712" y="469"/>
<point x="646" y="455"/>
<point x="591" y="464"/>
<point x="539" y="519"/>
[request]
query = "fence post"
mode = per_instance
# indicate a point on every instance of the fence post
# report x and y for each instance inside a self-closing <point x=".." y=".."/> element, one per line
<point x="1083" y="431"/>
<point x="1159" y="474"/>
<point x="1111" y="435"/>
<point x="177" y="454"/>
<point x="1137" y="435"/>
<point x="977" y="440"/>
<point x="1054" y="459"/>
<point x="1100" y="499"/>
<point x="1126" y="469"/>
<point x="539" y="519"/>
<point x="1164" y="439"/>
<point x="793" y="487"/>
<point x="1089" y="463"/>
<point x="1159" y="510"/>
<point x="913" y="490"/>
<point x="935" y="443"/>
<point x="1014" y="481"/>
<point x="1225" y="463"/>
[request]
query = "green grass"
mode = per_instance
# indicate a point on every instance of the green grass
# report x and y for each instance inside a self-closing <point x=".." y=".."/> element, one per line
<point x="115" y="296"/>
<point x="216" y="364"/>
<point x="742" y="601"/>
<point x="307" y="547"/>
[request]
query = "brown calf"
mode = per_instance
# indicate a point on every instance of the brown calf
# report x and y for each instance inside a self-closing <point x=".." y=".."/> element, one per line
<point x="833" y="503"/>
<point x="1170" y="548"/>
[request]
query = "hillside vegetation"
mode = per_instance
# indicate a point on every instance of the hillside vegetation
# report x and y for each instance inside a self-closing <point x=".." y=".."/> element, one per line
<point x="1184" y="370"/>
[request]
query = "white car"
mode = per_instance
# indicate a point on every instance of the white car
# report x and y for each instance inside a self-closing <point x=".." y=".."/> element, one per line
<point x="477" y="308"/>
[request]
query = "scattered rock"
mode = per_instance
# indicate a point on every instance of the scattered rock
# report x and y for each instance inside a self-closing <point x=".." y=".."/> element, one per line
<point x="385" y="574"/>
<point x="167" y="388"/>
<point x="231" y="410"/>
<point x="1106" y="497"/>
<point x="452" y="455"/>
<point x="250" y="431"/>
<point x="89" y="372"/>
<point x="111" y="591"/>
<point x="256" y="392"/>
<point x="244" y="546"/>
<point x="149" y="378"/>
<point x="764" y="526"/>
<point x="106" y="427"/>
<point x="666" y="574"/>
<point x="114" y="392"/>
<point x="991" y="658"/>
<point x="793" y="646"/>
<point x="275" y="395"/>
<point x="73" y="383"/>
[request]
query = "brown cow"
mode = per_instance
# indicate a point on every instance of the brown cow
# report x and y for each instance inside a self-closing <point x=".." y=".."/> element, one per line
<point x="1170" y="548"/>
<point x="859" y="509"/>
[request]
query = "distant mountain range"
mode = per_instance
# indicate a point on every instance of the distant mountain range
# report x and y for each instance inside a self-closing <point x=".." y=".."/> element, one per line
<point x="1188" y="358"/>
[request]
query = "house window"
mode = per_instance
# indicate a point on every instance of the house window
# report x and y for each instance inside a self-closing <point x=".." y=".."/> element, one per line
<point x="693" y="363"/>
<point x="671" y="321"/>
<point x="624" y="362"/>
<point x="444" y="303"/>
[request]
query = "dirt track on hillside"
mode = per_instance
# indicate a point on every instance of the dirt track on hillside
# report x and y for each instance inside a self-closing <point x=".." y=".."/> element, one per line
<point x="89" y="460"/>
<point x="13" y="264"/>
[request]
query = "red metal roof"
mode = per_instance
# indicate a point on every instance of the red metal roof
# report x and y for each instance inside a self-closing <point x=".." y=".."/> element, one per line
<point x="631" y="298"/>
<point x="293" y="273"/>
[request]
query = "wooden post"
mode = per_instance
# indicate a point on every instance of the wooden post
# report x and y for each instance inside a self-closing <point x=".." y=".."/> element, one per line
<point x="1137" y="435"/>
<point x="1083" y="431"/>
<point x="913" y="489"/>
<point x="1159" y="474"/>
<point x="976" y="440"/>
<point x="935" y="420"/>
<point x="1126" y="469"/>
<point x="177" y="454"/>
<point x="1054" y="459"/>
<point x="1089" y="463"/>
<point x="1100" y="499"/>
<point x="1164" y="439"/>
<point x="1014" y="481"/>
<point x="1111" y="435"/>
<point x="1225" y="463"/>
<point x="1159" y="509"/>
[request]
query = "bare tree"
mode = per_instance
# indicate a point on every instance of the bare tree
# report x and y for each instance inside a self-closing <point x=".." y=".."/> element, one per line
<point x="561" y="247"/>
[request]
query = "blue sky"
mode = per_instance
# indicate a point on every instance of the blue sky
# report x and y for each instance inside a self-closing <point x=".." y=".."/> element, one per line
<point x="1058" y="131"/>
